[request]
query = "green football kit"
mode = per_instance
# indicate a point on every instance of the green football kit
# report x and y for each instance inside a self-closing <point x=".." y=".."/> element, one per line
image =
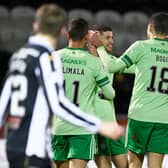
<point x="149" y="101"/>
<point x="83" y="75"/>
<point x="106" y="111"/>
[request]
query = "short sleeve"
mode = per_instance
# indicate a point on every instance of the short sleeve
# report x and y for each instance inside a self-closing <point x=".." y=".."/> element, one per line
<point x="133" y="54"/>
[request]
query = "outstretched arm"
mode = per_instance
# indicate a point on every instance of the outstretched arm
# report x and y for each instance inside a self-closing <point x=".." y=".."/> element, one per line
<point x="111" y="64"/>
<point x="52" y="81"/>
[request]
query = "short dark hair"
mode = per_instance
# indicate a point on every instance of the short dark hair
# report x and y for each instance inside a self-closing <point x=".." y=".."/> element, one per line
<point x="50" y="18"/>
<point x="77" y="29"/>
<point x="101" y="28"/>
<point x="160" y="22"/>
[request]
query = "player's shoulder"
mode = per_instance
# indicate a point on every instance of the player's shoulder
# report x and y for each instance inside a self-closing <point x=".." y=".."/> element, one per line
<point x="92" y="57"/>
<point x="140" y="44"/>
<point x="57" y="54"/>
<point x="143" y="42"/>
<point x="26" y="53"/>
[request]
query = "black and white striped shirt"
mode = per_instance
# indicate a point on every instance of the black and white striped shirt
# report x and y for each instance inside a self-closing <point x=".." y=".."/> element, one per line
<point x="32" y="90"/>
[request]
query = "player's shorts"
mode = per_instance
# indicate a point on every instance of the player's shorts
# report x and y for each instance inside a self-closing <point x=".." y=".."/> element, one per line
<point x="108" y="147"/>
<point x="36" y="162"/>
<point x="16" y="158"/>
<point x="73" y="146"/>
<point x="142" y="137"/>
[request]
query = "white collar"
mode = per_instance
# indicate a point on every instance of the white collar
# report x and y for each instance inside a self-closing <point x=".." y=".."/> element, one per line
<point x="42" y="41"/>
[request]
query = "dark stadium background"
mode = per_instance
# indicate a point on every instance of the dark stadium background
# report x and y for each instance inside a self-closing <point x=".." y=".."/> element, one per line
<point x="123" y="83"/>
<point x="94" y="5"/>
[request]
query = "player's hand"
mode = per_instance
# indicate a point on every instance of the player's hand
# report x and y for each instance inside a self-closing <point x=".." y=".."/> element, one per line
<point x="111" y="130"/>
<point x="92" y="49"/>
<point x="94" y="38"/>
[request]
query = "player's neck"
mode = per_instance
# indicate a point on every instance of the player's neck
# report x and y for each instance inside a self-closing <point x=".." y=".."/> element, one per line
<point x="76" y="44"/>
<point x="160" y="36"/>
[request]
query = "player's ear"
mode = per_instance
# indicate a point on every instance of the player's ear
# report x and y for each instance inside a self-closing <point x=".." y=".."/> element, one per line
<point x="63" y="31"/>
<point x="150" y="30"/>
<point x="67" y="35"/>
<point x="35" y="26"/>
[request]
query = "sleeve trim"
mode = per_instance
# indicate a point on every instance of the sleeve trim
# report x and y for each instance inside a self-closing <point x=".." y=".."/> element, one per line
<point x="127" y="60"/>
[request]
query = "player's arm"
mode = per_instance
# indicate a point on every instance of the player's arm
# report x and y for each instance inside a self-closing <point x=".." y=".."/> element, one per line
<point x="5" y="99"/>
<point x="52" y="82"/>
<point x="108" y="62"/>
<point x="51" y="77"/>
<point x="130" y="70"/>
<point x="111" y="64"/>
<point x="129" y="58"/>
<point x="107" y="91"/>
<point x="103" y="81"/>
<point x="101" y="50"/>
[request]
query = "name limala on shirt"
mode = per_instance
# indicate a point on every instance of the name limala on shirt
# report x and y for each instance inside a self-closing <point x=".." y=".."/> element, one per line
<point x="76" y="71"/>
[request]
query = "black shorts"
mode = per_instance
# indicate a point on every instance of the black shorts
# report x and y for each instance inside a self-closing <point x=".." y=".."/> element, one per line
<point x="16" y="159"/>
<point x="36" y="162"/>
